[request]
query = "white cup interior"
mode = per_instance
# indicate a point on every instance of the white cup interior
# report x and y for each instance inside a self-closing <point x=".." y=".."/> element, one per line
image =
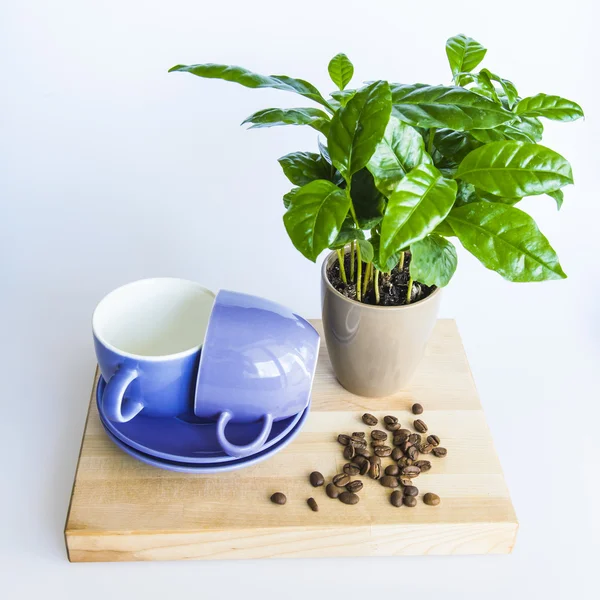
<point x="154" y="317"/>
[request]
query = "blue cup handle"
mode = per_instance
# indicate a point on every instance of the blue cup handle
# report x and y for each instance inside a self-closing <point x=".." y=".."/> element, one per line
<point x="114" y="392"/>
<point x="241" y="451"/>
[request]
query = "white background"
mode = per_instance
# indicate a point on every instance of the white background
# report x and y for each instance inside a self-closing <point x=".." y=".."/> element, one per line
<point x="112" y="170"/>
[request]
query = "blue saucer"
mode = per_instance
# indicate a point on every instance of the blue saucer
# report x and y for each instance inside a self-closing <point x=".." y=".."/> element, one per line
<point x="187" y="439"/>
<point x="238" y="463"/>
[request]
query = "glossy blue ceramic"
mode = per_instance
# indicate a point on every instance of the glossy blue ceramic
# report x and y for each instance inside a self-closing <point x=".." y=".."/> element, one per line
<point x="233" y="465"/>
<point x="257" y="364"/>
<point x="186" y="438"/>
<point x="147" y="336"/>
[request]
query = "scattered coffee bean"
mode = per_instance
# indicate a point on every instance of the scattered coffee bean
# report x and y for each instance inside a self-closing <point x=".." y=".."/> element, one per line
<point x="369" y="419"/>
<point x="396" y="498"/>
<point x="382" y="451"/>
<point x="389" y="481"/>
<point x="417" y="409"/>
<point x="420" y="426"/>
<point x="412" y="453"/>
<point x="404" y="446"/>
<point x="405" y="480"/>
<point x="425" y="448"/>
<point x="351" y="469"/>
<point x="331" y="490"/>
<point x="362" y="452"/>
<point x="402" y="432"/>
<point x="374" y="467"/>
<point x="405" y="462"/>
<point x="316" y="479"/>
<point x="414" y="438"/>
<point x="375" y="443"/>
<point x="393" y="470"/>
<point x="377" y="434"/>
<point x="411" y="490"/>
<point x="409" y="501"/>
<point x="349" y="498"/>
<point x="424" y="465"/>
<point x="389" y="419"/>
<point x="358" y="442"/>
<point x="431" y="499"/>
<point x="341" y="480"/>
<point x="440" y="452"/>
<point x="355" y="486"/>
<point x="278" y="498"/>
<point x="359" y="434"/>
<point x="434" y="440"/>
<point x="343" y="439"/>
<point x="363" y="464"/>
<point x="393" y="427"/>
<point x="313" y="504"/>
<point x="411" y="471"/>
<point x="349" y="452"/>
<point x="397" y="454"/>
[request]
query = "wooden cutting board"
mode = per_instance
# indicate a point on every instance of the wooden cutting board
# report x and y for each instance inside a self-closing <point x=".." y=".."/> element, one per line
<point x="123" y="510"/>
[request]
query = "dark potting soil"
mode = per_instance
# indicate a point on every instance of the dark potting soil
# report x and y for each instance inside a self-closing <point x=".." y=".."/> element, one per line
<point x="393" y="286"/>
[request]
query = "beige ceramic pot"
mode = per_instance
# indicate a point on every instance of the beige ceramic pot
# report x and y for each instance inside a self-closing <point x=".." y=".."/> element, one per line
<point x="374" y="350"/>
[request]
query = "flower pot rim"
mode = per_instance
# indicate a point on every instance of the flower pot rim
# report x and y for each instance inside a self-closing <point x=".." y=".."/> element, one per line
<point x="333" y="255"/>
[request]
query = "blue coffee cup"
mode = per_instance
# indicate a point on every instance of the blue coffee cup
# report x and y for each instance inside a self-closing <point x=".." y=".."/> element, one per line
<point x="148" y="335"/>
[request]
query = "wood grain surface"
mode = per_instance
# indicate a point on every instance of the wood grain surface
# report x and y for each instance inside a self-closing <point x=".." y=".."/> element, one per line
<point x="123" y="510"/>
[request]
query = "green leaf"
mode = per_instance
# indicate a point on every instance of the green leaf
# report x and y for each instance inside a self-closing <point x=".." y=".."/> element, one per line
<point x="343" y="97"/>
<point x="524" y="129"/>
<point x="391" y="262"/>
<point x="558" y="196"/>
<point x="368" y="202"/>
<point x="315" y="217"/>
<point x="254" y="80"/>
<point x="324" y="152"/>
<point x="433" y="260"/>
<point x="421" y="201"/>
<point x="400" y="150"/>
<point x="454" y="144"/>
<point x="551" y="107"/>
<point x="271" y="117"/>
<point x="348" y="233"/>
<point x="357" y="128"/>
<point x="515" y="169"/>
<point x="506" y="240"/>
<point x="486" y="197"/>
<point x="303" y="167"/>
<point x="508" y="86"/>
<point x="340" y="70"/>
<point x="445" y="229"/>
<point x="465" y="194"/>
<point x="486" y="136"/>
<point x="441" y="106"/>
<point x="463" y="53"/>
<point x="366" y="250"/>
<point x="289" y="197"/>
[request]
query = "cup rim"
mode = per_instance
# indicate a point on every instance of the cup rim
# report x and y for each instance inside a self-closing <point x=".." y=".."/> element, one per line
<point x="150" y="358"/>
<point x="401" y="307"/>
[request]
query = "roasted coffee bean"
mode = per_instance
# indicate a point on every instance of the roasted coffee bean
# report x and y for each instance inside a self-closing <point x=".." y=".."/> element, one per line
<point x="355" y="486"/>
<point x="420" y="426"/>
<point x="377" y="434"/>
<point x="404" y="446"/>
<point x="375" y="443"/>
<point x="374" y="467"/>
<point x="425" y="448"/>
<point x="412" y="453"/>
<point x="417" y="409"/>
<point x="396" y="498"/>
<point x="313" y="504"/>
<point x="331" y="490"/>
<point x="393" y="470"/>
<point x="411" y="490"/>
<point x="409" y="501"/>
<point x="389" y="481"/>
<point x="393" y="427"/>
<point x="358" y="442"/>
<point x="363" y="452"/>
<point x="397" y="454"/>
<point x="363" y="464"/>
<point x="341" y="480"/>
<point x="369" y="420"/>
<point x="434" y="440"/>
<point x="382" y="451"/>
<point x="349" y="498"/>
<point x="359" y="434"/>
<point x="316" y="479"/>
<point x="278" y="498"/>
<point x="411" y="471"/>
<point x="343" y="439"/>
<point x="440" y="452"/>
<point x="349" y="452"/>
<point x="404" y="480"/>
<point x="389" y="419"/>
<point x="405" y="462"/>
<point x="431" y="499"/>
<point x="414" y="438"/>
<point x="424" y="465"/>
<point x="351" y="469"/>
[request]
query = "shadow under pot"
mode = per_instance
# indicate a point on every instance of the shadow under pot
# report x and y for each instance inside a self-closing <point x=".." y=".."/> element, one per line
<point x="374" y="350"/>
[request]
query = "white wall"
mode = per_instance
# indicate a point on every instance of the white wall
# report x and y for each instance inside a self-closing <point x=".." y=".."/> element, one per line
<point x="113" y="170"/>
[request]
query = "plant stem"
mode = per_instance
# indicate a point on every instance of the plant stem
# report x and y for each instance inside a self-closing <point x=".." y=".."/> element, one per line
<point x="342" y="269"/>
<point x="430" y="142"/>
<point x="358" y="273"/>
<point x="352" y="260"/>
<point x="376" y="286"/>
<point x="367" y="277"/>
<point x="409" y="290"/>
<point x="401" y="263"/>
